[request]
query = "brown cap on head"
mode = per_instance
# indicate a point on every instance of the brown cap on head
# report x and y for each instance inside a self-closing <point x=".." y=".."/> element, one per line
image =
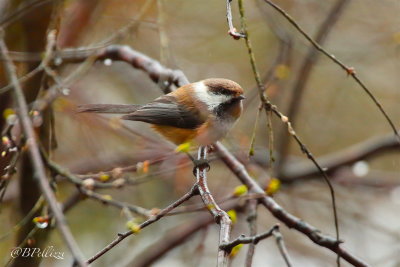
<point x="223" y="86"/>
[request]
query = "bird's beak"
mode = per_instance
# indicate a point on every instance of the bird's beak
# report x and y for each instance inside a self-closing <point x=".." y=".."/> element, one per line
<point x="241" y="97"/>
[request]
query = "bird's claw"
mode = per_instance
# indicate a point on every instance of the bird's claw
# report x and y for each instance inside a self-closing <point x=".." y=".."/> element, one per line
<point x="201" y="164"/>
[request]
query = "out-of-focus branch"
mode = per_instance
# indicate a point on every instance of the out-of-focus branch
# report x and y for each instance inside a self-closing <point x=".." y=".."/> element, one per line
<point x="304" y="74"/>
<point x="282" y="215"/>
<point x="122" y="205"/>
<point x="36" y="157"/>
<point x="26" y="7"/>
<point x="349" y="70"/>
<point x="367" y="149"/>
<point x="155" y="70"/>
<point x="272" y="109"/>
<point x="70" y="202"/>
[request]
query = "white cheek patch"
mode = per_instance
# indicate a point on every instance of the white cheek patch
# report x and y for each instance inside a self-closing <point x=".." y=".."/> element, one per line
<point x="212" y="100"/>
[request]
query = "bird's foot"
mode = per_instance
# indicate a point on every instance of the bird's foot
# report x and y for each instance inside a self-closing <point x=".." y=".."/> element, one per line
<point x="201" y="164"/>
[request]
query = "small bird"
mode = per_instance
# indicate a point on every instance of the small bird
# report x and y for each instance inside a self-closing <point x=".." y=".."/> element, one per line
<point x="199" y="113"/>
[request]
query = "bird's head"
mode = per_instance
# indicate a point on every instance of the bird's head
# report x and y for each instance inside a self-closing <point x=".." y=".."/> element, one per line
<point x="222" y="97"/>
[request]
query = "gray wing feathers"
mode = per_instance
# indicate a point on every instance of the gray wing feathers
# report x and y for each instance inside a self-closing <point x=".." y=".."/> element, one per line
<point x="166" y="111"/>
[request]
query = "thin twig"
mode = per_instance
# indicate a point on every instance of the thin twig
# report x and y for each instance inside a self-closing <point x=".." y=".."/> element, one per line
<point x="66" y="206"/>
<point x="304" y="74"/>
<point x="232" y="30"/>
<point x="124" y="31"/>
<point x="162" y="213"/>
<point x="25" y="7"/>
<point x="248" y="240"/>
<point x="349" y="70"/>
<point x="281" y="245"/>
<point x="253" y="135"/>
<point x="364" y="150"/>
<point x="154" y="69"/>
<point x="36" y="158"/>
<point x="23" y="79"/>
<point x="272" y="108"/>
<point x="122" y="205"/>
<point x="252" y="221"/>
<point x="281" y="214"/>
<point x="173" y="238"/>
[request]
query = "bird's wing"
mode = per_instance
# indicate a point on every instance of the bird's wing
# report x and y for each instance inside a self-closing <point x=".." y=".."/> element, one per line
<point x="166" y="110"/>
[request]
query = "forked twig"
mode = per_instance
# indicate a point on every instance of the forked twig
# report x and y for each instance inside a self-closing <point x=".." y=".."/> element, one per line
<point x="220" y="216"/>
<point x="349" y="70"/>
<point x="36" y="157"/>
<point x="269" y="107"/>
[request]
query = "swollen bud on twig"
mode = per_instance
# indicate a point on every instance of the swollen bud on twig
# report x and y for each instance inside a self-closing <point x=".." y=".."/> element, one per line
<point x="88" y="184"/>
<point x="104" y="177"/>
<point x="232" y="215"/>
<point x="133" y="227"/>
<point x="235" y="250"/>
<point x="240" y="190"/>
<point x="119" y="182"/>
<point x="273" y="186"/>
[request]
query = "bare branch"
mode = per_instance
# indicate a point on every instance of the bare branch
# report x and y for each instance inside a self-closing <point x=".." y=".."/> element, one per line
<point x="252" y="221"/>
<point x="269" y="107"/>
<point x="173" y="238"/>
<point x="361" y="151"/>
<point x="136" y="209"/>
<point x="36" y="158"/>
<point x="349" y="70"/>
<point x="220" y="216"/>
<point x="304" y="73"/>
<point x="155" y="70"/>
<point x="162" y="213"/>
<point x="247" y="240"/>
<point x="282" y="215"/>
<point x="281" y="245"/>
<point x="232" y="30"/>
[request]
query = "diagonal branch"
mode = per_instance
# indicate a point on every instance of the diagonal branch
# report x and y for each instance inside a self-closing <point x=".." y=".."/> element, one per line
<point x="282" y="215"/>
<point x="270" y="108"/>
<point x="361" y="151"/>
<point x="162" y="213"/>
<point x="155" y="69"/>
<point x="281" y="245"/>
<point x="349" y="70"/>
<point x="304" y="73"/>
<point x="36" y="158"/>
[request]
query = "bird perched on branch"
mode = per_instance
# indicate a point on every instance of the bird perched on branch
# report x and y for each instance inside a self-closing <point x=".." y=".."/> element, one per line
<point x="200" y="113"/>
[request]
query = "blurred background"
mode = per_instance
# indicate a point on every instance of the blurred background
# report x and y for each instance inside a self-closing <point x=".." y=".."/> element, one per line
<point x="331" y="113"/>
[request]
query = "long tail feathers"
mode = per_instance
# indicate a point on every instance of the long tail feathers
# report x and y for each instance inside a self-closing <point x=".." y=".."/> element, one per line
<point x="108" y="108"/>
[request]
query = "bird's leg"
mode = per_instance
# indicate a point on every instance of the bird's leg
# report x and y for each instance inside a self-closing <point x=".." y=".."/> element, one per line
<point x="201" y="162"/>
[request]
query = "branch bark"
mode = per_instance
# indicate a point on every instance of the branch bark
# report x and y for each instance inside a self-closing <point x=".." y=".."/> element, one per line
<point x="220" y="216"/>
<point x="36" y="158"/>
<point x="303" y="76"/>
<point x="155" y="69"/>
